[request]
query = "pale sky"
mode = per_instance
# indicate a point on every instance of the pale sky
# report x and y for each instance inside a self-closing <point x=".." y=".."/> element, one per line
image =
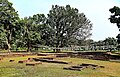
<point x="97" y="11"/>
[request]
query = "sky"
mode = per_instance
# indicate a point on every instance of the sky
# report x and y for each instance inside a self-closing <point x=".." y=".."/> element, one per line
<point x="97" y="11"/>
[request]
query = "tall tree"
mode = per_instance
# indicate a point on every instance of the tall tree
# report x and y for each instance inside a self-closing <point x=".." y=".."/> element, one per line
<point x="31" y="29"/>
<point x="66" y="24"/>
<point x="8" y="20"/>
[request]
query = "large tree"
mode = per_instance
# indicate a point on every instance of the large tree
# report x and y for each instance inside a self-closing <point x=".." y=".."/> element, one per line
<point x="8" y="20"/>
<point x="67" y="25"/>
<point x="31" y="30"/>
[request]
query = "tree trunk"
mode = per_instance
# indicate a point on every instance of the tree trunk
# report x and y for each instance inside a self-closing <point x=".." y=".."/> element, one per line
<point x="57" y="44"/>
<point x="28" y="41"/>
<point x="28" y="46"/>
<point x="9" y="46"/>
<point x="9" y="41"/>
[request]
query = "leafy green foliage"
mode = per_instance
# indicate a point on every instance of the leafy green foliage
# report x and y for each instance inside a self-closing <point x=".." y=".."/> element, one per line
<point x="8" y="20"/>
<point x="64" y="26"/>
<point x="30" y="30"/>
<point x="110" y="41"/>
<point x="67" y="25"/>
<point x="115" y="18"/>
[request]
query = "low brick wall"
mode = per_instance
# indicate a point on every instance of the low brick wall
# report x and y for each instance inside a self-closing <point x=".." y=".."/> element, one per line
<point x="92" y="55"/>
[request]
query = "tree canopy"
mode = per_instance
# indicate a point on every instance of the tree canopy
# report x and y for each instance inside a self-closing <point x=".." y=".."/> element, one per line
<point x="63" y="26"/>
<point x="30" y="30"/>
<point x="8" y="20"/>
<point x="115" y="18"/>
<point x="67" y="25"/>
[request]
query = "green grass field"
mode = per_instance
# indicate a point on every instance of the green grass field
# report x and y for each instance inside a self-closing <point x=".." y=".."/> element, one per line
<point x="15" y="69"/>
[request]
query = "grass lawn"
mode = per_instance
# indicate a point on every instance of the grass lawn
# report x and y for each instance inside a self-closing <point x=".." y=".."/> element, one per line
<point x="15" y="69"/>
